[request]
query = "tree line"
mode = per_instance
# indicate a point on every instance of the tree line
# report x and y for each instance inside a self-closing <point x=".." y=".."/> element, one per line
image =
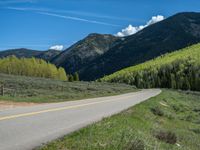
<point x="31" y="67"/>
<point x="178" y="70"/>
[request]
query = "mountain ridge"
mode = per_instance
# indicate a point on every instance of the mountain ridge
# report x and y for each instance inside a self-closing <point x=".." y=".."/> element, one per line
<point x="84" y="51"/>
<point x="175" y="32"/>
<point x="28" y="53"/>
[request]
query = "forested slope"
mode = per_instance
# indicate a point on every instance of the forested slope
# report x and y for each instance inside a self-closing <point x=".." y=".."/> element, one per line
<point x="173" y="33"/>
<point x="178" y="70"/>
<point x="31" y="67"/>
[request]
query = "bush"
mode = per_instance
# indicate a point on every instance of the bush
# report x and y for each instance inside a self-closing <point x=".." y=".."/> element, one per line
<point x="71" y="78"/>
<point x="196" y="109"/>
<point x="166" y="136"/>
<point x="197" y="131"/>
<point x="176" y="108"/>
<point x="157" y="111"/>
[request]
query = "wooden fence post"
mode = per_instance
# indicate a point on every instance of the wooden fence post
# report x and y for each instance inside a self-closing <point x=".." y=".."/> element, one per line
<point x="2" y="90"/>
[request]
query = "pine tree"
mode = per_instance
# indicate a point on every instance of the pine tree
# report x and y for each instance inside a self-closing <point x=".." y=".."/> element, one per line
<point x="71" y="78"/>
<point x="76" y="76"/>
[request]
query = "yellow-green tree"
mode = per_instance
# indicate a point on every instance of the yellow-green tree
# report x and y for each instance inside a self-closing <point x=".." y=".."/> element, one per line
<point x="31" y="67"/>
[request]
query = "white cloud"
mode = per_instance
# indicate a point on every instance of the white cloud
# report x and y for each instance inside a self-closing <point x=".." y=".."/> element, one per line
<point x="57" y="47"/>
<point x="155" y="19"/>
<point x="130" y="30"/>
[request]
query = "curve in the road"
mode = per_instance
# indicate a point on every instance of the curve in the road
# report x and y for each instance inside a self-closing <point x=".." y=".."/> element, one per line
<point x="27" y="127"/>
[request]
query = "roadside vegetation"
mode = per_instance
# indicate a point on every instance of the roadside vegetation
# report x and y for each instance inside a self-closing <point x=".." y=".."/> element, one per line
<point x="32" y="89"/>
<point x="31" y="67"/>
<point x="177" y="70"/>
<point x="169" y="121"/>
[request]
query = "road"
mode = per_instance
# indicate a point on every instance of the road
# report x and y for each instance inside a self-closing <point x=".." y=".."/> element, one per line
<point x="25" y="128"/>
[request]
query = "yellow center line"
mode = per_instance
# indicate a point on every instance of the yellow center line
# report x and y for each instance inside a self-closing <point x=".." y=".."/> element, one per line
<point x="54" y="109"/>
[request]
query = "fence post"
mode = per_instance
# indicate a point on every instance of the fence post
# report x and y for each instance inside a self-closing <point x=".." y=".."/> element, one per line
<point x="2" y="90"/>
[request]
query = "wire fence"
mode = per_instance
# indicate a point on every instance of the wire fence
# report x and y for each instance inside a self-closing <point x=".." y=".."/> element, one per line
<point x="4" y="90"/>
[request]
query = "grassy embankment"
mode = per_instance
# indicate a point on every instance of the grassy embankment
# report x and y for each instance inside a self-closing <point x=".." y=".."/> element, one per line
<point x="31" y="89"/>
<point x="169" y="121"/>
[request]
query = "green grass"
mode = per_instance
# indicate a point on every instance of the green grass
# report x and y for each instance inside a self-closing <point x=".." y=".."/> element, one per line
<point x="138" y="127"/>
<point x="39" y="90"/>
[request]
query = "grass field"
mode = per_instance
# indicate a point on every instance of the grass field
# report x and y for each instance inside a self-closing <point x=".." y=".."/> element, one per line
<point x="169" y="121"/>
<point x="29" y="89"/>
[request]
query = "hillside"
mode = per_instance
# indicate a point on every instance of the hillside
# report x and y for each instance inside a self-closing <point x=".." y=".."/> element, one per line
<point x="48" y="55"/>
<point x="84" y="52"/>
<point x="28" y="53"/>
<point x="179" y="70"/>
<point x="176" y="32"/>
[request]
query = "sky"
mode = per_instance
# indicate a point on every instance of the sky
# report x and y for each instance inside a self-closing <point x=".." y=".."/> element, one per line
<point x="44" y="24"/>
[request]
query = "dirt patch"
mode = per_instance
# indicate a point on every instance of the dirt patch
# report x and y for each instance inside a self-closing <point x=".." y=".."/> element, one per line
<point x="8" y="105"/>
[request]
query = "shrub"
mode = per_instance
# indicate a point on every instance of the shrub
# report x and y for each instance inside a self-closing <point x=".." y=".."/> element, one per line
<point x="176" y="108"/>
<point x="71" y="78"/>
<point x="197" y="131"/>
<point x="166" y="136"/>
<point x="157" y="111"/>
<point x="196" y="109"/>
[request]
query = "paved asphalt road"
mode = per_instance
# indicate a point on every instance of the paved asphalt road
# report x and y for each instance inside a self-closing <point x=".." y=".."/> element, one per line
<point x="28" y="127"/>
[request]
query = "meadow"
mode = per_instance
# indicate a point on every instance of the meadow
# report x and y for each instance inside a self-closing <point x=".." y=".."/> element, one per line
<point x="42" y="90"/>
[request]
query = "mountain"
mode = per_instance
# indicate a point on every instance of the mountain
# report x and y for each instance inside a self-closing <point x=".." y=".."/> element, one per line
<point x="173" y="33"/>
<point x="178" y="70"/>
<point x="103" y="54"/>
<point x="27" y="53"/>
<point x="48" y="55"/>
<point x="85" y="51"/>
<point x="21" y="52"/>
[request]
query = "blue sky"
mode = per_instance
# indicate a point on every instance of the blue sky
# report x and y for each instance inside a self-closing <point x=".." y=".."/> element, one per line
<point x="40" y="24"/>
